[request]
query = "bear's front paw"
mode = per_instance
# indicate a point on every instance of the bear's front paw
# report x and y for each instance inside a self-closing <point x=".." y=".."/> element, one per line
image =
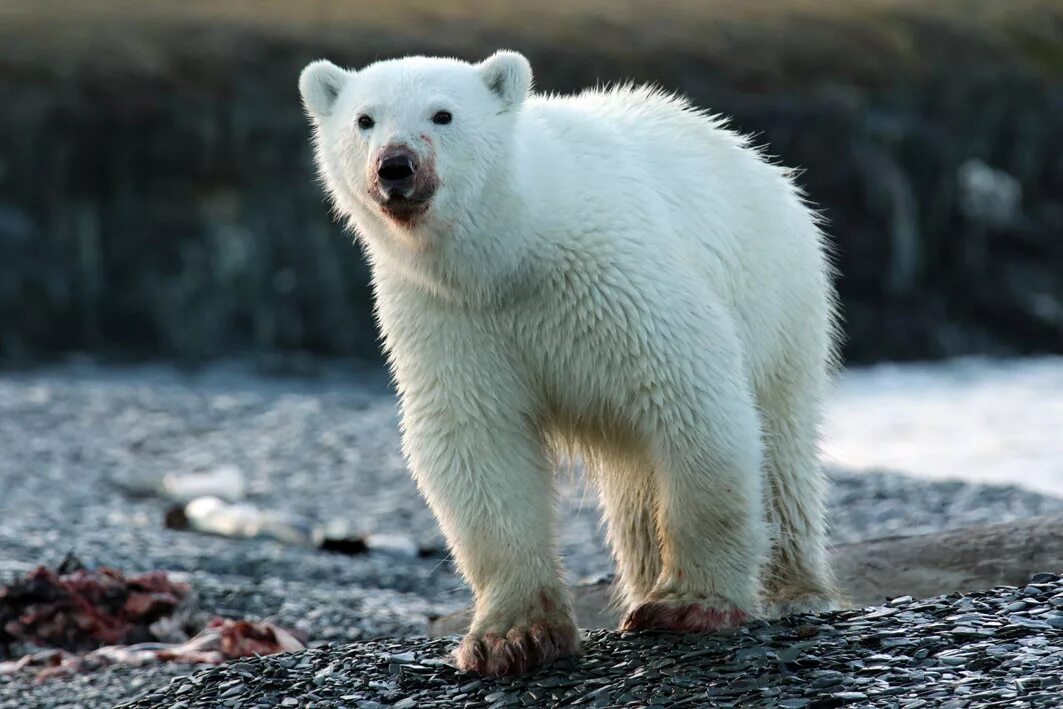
<point x="685" y="616"/>
<point x="520" y="649"/>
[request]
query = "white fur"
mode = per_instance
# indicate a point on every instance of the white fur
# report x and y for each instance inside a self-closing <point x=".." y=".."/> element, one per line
<point x="613" y="273"/>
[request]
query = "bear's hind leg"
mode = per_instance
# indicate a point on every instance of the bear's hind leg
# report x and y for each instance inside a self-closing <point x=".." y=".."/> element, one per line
<point x="710" y="514"/>
<point x="798" y="578"/>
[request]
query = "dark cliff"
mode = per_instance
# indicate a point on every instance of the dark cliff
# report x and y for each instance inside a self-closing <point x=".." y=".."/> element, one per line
<point x="157" y="195"/>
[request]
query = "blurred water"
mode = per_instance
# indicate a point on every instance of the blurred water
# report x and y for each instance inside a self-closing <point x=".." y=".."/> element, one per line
<point x="982" y="420"/>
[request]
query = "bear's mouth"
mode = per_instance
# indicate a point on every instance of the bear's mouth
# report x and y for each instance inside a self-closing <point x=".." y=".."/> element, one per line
<point x="405" y="206"/>
<point x="404" y="209"/>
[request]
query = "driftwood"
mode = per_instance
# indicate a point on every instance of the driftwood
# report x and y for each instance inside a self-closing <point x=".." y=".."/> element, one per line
<point x="959" y="560"/>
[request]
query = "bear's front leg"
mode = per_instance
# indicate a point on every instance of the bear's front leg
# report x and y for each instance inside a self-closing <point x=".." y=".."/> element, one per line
<point x="480" y="461"/>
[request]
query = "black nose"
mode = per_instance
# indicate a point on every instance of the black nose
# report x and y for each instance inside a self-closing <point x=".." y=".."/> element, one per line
<point x="396" y="170"/>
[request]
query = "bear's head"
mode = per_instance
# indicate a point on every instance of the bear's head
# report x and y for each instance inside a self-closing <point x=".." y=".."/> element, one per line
<point x="413" y="142"/>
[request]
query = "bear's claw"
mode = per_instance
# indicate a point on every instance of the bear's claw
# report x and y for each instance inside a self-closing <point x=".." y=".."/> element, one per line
<point x="521" y="649"/>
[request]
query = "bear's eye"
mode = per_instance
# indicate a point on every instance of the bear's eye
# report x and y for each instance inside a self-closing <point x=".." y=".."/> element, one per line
<point x="442" y="118"/>
<point x="365" y="122"/>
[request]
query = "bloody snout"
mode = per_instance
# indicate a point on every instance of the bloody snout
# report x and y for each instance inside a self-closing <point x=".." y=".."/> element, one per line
<point x="396" y="171"/>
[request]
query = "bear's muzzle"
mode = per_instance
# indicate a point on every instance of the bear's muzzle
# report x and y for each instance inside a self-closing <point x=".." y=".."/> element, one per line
<point x="402" y="184"/>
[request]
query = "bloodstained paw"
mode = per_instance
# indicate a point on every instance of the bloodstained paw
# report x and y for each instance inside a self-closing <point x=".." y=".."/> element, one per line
<point x="683" y="617"/>
<point x="520" y="650"/>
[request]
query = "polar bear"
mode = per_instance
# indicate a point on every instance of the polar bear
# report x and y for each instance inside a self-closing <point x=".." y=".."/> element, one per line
<point x="614" y="274"/>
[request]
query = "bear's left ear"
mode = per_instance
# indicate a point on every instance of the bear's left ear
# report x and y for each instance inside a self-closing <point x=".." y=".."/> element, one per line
<point x="320" y="85"/>
<point x="508" y="75"/>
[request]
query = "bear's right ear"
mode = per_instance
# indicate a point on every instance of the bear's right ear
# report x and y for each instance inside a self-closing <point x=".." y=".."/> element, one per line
<point x="508" y="75"/>
<point x="320" y="85"/>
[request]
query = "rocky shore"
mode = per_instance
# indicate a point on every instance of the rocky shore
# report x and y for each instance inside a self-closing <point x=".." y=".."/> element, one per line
<point x="990" y="649"/>
<point x="80" y="441"/>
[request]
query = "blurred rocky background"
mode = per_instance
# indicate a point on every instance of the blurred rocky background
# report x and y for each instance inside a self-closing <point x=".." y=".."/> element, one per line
<point x="157" y="195"/>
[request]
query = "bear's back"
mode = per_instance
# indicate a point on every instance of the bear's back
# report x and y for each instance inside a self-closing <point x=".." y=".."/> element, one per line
<point x="656" y="129"/>
<point x="706" y="198"/>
